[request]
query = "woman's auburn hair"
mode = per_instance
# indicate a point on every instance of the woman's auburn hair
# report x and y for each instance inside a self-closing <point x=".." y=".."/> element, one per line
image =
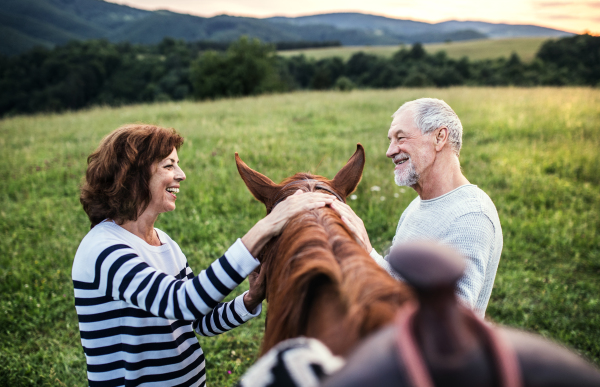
<point x="118" y="174"/>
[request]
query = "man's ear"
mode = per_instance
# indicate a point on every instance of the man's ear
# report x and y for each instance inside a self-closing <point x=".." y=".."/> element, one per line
<point x="261" y="187"/>
<point x="441" y="137"/>
<point x="349" y="176"/>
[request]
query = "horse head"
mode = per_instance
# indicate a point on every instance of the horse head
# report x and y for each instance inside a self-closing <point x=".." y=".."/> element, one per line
<point x="321" y="282"/>
<point x="270" y="193"/>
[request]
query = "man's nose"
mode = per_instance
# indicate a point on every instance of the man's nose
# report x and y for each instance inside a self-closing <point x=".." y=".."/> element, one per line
<point x="392" y="150"/>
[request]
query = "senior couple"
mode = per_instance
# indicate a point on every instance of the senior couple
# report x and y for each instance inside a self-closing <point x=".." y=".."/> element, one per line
<point x="135" y="294"/>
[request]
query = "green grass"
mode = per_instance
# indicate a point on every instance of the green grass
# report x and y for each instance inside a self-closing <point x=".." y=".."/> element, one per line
<point x="534" y="151"/>
<point x="474" y="49"/>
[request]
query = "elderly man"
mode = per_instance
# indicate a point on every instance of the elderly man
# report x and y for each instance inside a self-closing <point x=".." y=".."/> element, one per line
<point x="425" y="141"/>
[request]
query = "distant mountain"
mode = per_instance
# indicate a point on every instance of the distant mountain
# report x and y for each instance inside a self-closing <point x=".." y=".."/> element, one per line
<point x="27" y="23"/>
<point x="410" y="29"/>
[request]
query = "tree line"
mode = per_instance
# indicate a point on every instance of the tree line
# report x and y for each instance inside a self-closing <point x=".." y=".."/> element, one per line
<point x="81" y="74"/>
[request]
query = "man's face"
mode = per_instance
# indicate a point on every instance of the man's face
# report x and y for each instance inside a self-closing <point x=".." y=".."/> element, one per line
<point x="410" y="150"/>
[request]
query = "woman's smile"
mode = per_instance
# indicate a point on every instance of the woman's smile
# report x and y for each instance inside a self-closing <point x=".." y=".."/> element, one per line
<point x="173" y="191"/>
<point x="164" y="183"/>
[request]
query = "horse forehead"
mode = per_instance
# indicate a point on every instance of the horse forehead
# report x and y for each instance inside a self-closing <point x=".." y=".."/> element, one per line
<point x="308" y="185"/>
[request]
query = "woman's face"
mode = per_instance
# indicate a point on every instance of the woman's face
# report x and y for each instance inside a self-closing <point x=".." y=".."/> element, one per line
<point x="164" y="183"/>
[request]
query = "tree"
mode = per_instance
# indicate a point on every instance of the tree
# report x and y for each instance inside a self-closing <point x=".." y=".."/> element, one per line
<point x="242" y="70"/>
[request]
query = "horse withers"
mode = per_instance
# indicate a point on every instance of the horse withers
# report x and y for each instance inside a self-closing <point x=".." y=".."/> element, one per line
<point x="321" y="283"/>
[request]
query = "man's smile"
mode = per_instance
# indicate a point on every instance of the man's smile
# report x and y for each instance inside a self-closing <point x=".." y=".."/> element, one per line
<point x="401" y="159"/>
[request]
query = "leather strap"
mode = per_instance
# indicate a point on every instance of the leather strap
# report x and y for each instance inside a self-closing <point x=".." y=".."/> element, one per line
<point x="411" y="359"/>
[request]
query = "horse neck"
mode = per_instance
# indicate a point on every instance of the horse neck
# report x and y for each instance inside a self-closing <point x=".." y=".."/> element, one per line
<point x="321" y="283"/>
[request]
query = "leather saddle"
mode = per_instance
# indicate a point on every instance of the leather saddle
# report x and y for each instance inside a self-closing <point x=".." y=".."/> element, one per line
<point x="438" y="342"/>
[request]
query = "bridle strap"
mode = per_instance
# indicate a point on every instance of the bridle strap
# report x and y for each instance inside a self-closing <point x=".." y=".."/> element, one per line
<point x="317" y="186"/>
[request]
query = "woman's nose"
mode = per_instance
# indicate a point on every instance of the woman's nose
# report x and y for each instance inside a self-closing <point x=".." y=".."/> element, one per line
<point x="180" y="176"/>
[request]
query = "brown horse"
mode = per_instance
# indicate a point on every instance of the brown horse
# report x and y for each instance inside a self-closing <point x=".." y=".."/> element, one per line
<point x="321" y="282"/>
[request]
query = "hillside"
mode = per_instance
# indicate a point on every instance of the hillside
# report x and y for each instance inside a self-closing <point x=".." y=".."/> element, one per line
<point x="526" y="48"/>
<point x="28" y="23"/>
<point x="414" y="31"/>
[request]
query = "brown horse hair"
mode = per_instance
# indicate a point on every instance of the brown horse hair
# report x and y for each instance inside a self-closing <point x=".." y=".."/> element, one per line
<point x="317" y="252"/>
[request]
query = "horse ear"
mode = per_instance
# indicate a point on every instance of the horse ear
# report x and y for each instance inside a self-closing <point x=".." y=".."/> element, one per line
<point x="349" y="176"/>
<point x="261" y="187"/>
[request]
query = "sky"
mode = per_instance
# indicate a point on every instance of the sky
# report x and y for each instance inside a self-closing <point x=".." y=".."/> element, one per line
<point x="574" y="16"/>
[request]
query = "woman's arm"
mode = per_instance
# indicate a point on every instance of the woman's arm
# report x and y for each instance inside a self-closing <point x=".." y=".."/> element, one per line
<point x="121" y="275"/>
<point x="232" y="314"/>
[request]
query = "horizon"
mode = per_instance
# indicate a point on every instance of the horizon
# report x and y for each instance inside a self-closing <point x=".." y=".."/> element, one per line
<point x="561" y="15"/>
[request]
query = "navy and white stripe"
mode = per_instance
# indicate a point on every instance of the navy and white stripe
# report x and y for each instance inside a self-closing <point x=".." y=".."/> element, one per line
<point x="139" y="304"/>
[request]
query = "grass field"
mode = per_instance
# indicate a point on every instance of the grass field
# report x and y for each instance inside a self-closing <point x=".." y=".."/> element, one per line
<point x="474" y="49"/>
<point x="534" y="151"/>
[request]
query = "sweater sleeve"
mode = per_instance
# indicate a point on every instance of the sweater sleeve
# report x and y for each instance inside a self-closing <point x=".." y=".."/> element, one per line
<point x="472" y="235"/>
<point x="225" y="317"/>
<point x="229" y="315"/>
<point x="383" y="262"/>
<point x="120" y="274"/>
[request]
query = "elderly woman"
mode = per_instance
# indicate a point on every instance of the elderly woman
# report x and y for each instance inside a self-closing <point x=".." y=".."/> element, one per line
<point x="137" y="299"/>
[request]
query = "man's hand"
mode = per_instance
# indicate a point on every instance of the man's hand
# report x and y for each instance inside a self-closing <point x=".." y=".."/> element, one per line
<point x="354" y="223"/>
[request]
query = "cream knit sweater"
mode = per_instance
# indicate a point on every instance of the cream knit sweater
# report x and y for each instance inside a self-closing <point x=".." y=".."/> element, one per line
<point x="467" y="220"/>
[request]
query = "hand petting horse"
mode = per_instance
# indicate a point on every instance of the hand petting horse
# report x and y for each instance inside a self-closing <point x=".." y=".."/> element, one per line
<point x="321" y="283"/>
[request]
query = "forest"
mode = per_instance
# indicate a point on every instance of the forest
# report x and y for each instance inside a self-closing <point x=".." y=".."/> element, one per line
<point x="80" y="74"/>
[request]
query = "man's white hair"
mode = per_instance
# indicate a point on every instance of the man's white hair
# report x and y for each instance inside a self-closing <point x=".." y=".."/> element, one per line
<point x="432" y="113"/>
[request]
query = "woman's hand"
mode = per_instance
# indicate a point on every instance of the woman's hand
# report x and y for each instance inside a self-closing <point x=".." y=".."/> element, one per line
<point x="257" y="291"/>
<point x="354" y="223"/>
<point x="272" y="224"/>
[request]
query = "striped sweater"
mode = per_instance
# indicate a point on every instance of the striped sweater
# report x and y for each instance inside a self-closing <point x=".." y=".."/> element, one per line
<point x="138" y="306"/>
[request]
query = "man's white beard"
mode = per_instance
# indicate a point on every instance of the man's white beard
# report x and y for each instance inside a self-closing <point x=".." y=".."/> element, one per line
<point x="408" y="176"/>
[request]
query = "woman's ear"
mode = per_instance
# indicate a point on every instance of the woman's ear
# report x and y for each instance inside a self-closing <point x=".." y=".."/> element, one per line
<point x="261" y="187"/>
<point x="347" y="179"/>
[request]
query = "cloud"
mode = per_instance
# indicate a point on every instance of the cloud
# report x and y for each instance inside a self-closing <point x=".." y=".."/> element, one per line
<point x="554" y="4"/>
<point x="563" y="17"/>
<point x="546" y="4"/>
<point x="571" y="17"/>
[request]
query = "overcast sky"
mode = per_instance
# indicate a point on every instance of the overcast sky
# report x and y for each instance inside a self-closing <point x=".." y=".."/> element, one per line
<point x="575" y="16"/>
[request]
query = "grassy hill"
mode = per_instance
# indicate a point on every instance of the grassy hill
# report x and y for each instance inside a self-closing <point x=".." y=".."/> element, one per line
<point x="533" y="150"/>
<point x="474" y="49"/>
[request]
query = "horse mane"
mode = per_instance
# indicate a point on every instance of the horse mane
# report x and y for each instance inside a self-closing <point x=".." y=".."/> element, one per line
<point x="315" y="253"/>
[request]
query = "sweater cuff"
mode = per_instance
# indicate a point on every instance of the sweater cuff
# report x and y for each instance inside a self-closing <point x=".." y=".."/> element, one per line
<point x="240" y="259"/>
<point x="241" y="310"/>
<point x="375" y="255"/>
<point x="383" y="263"/>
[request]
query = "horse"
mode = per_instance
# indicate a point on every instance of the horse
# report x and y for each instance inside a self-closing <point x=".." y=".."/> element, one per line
<point x="322" y="284"/>
<point x="320" y="280"/>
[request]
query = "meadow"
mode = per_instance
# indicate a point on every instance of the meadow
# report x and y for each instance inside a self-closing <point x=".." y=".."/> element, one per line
<point x="533" y="150"/>
<point x="526" y="48"/>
